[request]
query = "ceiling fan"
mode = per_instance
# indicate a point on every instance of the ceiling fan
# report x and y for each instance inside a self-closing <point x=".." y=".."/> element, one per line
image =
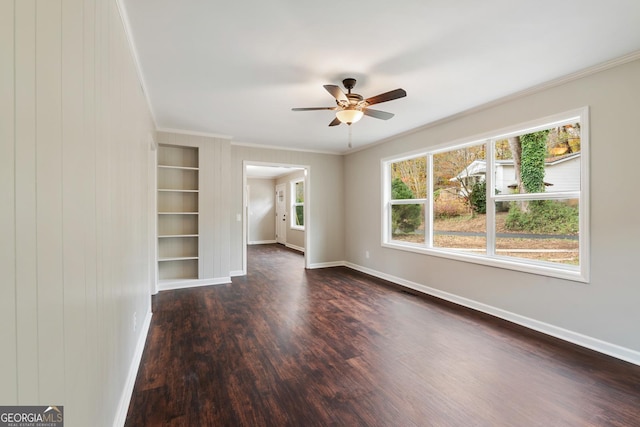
<point x="350" y="107"/>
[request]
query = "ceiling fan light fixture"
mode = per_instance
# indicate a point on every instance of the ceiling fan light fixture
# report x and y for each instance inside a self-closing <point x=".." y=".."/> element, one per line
<point x="352" y="106"/>
<point x="349" y="115"/>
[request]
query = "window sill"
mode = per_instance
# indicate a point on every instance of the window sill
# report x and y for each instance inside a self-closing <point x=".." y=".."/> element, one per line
<point x="561" y="272"/>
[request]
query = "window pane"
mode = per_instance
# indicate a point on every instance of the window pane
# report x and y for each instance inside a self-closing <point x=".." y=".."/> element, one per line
<point x="457" y="171"/>
<point x="464" y="232"/>
<point x="459" y="204"/>
<point x="549" y="161"/>
<point x="300" y="215"/>
<point x="300" y="192"/>
<point x="542" y="230"/>
<point x="409" y="179"/>
<point x="407" y="223"/>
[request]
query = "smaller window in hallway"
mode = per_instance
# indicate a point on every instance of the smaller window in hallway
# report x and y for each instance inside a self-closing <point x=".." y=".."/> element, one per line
<point x="297" y="205"/>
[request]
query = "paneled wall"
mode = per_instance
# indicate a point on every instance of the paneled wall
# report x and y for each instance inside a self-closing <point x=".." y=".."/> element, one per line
<point x="75" y="154"/>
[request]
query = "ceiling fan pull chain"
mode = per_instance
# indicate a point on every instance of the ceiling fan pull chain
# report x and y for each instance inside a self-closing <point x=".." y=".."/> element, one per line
<point x="349" y="135"/>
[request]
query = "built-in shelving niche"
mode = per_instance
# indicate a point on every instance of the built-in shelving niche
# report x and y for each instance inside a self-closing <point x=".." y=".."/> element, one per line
<point x="178" y="195"/>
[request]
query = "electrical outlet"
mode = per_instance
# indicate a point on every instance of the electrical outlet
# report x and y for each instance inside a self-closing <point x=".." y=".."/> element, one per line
<point x="366" y="254"/>
<point x="135" y="321"/>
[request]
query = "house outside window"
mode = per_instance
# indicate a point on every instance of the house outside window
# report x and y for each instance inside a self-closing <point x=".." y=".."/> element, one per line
<point x="517" y="199"/>
<point x="297" y="204"/>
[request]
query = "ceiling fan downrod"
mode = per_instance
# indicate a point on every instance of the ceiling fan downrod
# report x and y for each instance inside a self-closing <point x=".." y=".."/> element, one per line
<point x="349" y="84"/>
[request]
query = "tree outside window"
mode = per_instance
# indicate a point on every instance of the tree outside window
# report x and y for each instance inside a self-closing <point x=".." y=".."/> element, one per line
<point x="297" y="208"/>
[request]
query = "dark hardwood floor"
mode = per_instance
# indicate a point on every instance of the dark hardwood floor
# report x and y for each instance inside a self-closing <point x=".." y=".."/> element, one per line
<point x="285" y="346"/>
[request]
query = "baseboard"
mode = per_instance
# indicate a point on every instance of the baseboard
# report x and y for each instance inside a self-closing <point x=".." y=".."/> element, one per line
<point x="261" y="242"/>
<point x="613" y="350"/>
<point x="125" y="397"/>
<point x="167" y="285"/>
<point x="329" y="264"/>
<point x="294" y="247"/>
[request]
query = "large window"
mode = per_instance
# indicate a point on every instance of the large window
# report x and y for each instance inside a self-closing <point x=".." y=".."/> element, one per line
<point x="297" y="204"/>
<point x="517" y="199"/>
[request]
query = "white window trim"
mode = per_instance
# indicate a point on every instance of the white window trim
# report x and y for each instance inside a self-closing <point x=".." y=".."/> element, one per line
<point x="578" y="274"/>
<point x="292" y="186"/>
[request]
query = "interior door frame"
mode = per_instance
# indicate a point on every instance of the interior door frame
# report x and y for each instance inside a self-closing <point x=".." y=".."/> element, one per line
<point x="279" y="226"/>
<point x="307" y="209"/>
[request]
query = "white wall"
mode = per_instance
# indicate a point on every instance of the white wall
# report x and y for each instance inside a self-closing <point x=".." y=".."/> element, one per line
<point x="604" y="312"/>
<point x="74" y="214"/>
<point x="326" y="200"/>
<point x="262" y="210"/>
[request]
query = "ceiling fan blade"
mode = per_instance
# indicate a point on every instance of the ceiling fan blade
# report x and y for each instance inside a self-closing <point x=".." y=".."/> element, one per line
<point x="387" y="96"/>
<point x="335" y="122"/>
<point x="336" y="92"/>
<point x="314" y="108"/>
<point x="377" y="114"/>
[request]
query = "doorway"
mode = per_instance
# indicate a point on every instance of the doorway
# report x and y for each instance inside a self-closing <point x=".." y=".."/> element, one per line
<point x="269" y="195"/>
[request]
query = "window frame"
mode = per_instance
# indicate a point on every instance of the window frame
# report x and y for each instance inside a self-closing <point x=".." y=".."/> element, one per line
<point x="579" y="273"/>
<point x="395" y="202"/>
<point x="295" y="204"/>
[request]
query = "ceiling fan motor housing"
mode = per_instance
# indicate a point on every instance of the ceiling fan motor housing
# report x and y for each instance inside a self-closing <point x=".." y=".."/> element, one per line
<point x="349" y="83"/>
<point x="354" y="98"/>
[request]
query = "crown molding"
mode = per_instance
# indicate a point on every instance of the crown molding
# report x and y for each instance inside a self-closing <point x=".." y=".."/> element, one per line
<point x="280" y="147"/>
<point x="124" y="17"/>
<point x="193" y="133"/>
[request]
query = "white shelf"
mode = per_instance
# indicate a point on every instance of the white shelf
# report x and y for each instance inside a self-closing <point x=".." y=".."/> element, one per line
<point x="169" y="225"/>
<point x="181" y="258"/>
<point x="178" y="213"/>
<point x="176" y="190"/>
<point x="186" y="168"/>
<point x="169" y="236"/>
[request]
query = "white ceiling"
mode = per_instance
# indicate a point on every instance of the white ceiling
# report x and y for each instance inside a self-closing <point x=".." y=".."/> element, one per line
<point x="237" y="68"/>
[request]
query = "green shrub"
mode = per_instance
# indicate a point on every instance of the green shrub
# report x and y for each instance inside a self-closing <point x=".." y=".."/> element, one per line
<point x="544" y="217"/>
<point x="405" y="218"/>
<point x="478" y="197"/>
